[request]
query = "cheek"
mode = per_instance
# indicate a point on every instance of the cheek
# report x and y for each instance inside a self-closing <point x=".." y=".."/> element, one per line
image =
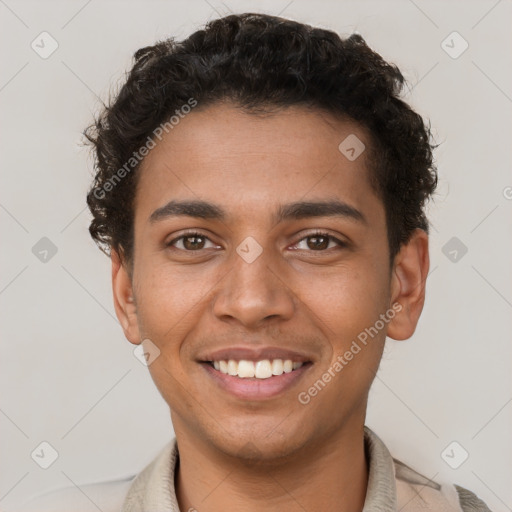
<point x="168" y="301"/>
<point x="347" y="299"/>
<point x="361" y="332"/>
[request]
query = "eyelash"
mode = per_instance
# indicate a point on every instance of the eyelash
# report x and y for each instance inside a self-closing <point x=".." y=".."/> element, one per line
<point x="188" y="234"/>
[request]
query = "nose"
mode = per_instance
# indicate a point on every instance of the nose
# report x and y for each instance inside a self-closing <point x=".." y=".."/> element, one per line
<point x="253" y="294"/>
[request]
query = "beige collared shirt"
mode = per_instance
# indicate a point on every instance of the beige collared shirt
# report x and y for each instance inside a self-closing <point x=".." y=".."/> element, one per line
<point x="392" y="487"/>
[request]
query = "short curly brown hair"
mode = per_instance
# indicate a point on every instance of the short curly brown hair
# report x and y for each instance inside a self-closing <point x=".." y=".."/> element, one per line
<point x="261" y="63"/>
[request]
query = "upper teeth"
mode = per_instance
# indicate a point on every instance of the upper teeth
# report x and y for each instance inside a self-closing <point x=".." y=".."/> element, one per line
<point x="260" y="369"/>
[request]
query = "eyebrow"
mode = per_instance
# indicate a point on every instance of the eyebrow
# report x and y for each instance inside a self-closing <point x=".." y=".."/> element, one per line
<point x="298" y="210"/>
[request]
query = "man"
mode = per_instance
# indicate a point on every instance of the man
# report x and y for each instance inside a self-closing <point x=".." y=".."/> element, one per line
<point x="260" y="189"/>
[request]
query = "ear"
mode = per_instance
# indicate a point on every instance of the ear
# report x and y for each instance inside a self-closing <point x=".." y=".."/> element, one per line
<point x="408" y="278"/>
<point x="124" y="299"/>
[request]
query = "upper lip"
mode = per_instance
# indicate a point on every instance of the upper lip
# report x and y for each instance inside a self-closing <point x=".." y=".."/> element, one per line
<point x="254" y="354"/>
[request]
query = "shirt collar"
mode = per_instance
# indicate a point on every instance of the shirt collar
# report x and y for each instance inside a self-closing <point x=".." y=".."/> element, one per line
<point x="153" y="488"/>
<point x="381" y="490"/>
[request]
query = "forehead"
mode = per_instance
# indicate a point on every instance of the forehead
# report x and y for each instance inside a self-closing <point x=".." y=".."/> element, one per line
<point x="247" y="161"/>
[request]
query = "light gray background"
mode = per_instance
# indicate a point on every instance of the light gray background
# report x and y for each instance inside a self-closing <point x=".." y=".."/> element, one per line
<point x="68" y="375"/>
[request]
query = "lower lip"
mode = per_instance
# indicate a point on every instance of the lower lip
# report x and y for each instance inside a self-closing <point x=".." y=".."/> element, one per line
<point x="256" y="389"/>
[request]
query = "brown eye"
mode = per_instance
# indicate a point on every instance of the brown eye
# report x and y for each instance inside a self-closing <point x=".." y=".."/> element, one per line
<point x="191" y="242"/>
<point x="318" y="242"/>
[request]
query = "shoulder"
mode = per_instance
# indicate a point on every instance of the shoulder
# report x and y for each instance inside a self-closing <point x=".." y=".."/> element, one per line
<point x="105" y="496"/>
<point x="469" y="501"/>
<point x="417" y="492"/>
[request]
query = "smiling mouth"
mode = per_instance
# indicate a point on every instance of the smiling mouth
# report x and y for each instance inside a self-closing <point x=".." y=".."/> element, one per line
<point x="262" y="369"/>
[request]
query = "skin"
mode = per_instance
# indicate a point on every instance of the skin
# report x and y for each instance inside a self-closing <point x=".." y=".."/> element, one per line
<point x="239" y="453"/>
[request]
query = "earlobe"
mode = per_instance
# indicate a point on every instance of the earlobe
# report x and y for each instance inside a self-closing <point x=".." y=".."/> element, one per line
<point x="124" y="302"/>
<point x="409" y="275"/>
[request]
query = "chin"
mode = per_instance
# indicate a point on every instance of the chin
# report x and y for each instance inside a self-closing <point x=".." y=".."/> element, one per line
<point x="265" y="445"/>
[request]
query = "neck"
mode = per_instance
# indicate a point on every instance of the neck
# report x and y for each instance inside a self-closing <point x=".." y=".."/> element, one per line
<point x="332" y="475"/>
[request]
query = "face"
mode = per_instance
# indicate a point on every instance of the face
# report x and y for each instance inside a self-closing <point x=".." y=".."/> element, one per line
<point x="258" y="241"/>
